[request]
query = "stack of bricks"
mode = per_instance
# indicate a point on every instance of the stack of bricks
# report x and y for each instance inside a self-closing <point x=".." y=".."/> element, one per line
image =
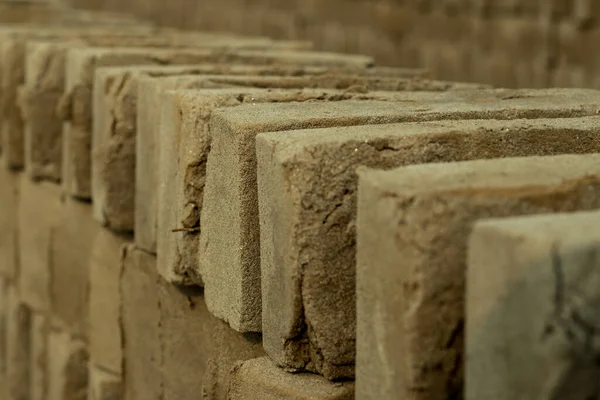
<point x="188" y="215"/>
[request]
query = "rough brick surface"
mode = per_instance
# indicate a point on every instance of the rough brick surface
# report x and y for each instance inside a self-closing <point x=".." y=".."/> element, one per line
<point x="105" y="331"/>
<point x="9" y="195"/>
<point x="142" y="377"/>
<point x="186" y="329"/>
<point x="229" y="243"/>
<point x="307" y="205"/>
<point x="81" y="65"/>
<point x="115" y="133"/>
<point x="38" y="221"/>
<point x="413" y="225"/>
<point x="38" y="361"/>
<point x="230" y="348"/>
<point x="261" y="379"/>
<point x="517" y="268"/>
<point x="18" y="347"/>
<point x="67" y="367"/>
<point x="104" y="385"/>
<point x="184" y="148"/>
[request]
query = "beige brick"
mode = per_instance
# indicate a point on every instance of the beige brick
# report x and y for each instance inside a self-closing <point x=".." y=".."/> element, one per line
<point x="229" y="243"/>
<point x="142" y="376"/>
<point x="40" y="327"/>
<point x="39" y="216"/>
<point x="307" y="206"/>
<point x="9" y="203"/>
<point x="517" y="332"/>
<point x="82" y="63"/>
<point x="148" y="120"/>
<point x="230" y="348"/>
<point x="260" y="378"/>
<point x="186" y="339"/>
<point x="104" y="385"/>
<point x="18" y="350"/>
<point x="4" y="315"/>
<point x="67" y="367"/>
<point x="185" y="142"/>
<point x="105" y="332"/>
<point x="413" y="225"/>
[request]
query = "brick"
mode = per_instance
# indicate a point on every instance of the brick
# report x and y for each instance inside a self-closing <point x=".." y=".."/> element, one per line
<point x="82" y="63"/>
<point x="186" y="339"/>
<point x="185" y="146"/>
<point x="229" y="243"/>
<point x="39" y="216"/>
<point x="423" y="215"/>
<point x="40" y="327"/>
<point x="45" y="76"/>
<point x="67" y="367"/>
<point x="230" y="348"/>
<point x="18" y="348"/>
<point x="105" y="332"/>
<point x="260" y="378"/>
<point x="307" y="207"/>
<point x="9" y="201"/>
<point x="4" y="314"/>
<point x="104" y="385"/>
<point x="516" y="332"/>
<point x="148" y="120"/>
<point x="84" y="287"/>
<point x="142" y="377"/>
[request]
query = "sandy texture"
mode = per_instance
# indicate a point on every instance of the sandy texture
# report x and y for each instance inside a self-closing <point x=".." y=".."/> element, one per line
<point x="413" y="226"/>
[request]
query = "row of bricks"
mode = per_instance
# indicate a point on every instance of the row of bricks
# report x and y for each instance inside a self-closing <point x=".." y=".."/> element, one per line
<point x="244" y="122"/>
<point x="64" y="238"/>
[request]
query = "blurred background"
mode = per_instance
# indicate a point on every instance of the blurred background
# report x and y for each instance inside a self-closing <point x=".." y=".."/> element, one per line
<point x="511" y="43"/>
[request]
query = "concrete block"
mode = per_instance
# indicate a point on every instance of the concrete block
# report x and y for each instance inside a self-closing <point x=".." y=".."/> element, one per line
<point x="18" y="349"/>
<point x="229" y="243"/>
<point x="148" y="120"/>
<point x="530" y="298"/>
<point x="9" y="203"/>
<point x="104" y="385"/>
<point x="185" y="143"/>
<point x="67" y="367"/>
<point x="413" y="226"/>
<point x="230" y="348"/>
<point x="142" y="375"/>
<point x="307" y="210"/>
<point x="38" y="369"/>
<point x="260" y="378"/>
<point x="77" y="104"/>
<point x="39" y="216"/>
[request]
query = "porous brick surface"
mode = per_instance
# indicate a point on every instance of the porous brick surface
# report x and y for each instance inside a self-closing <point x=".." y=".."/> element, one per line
<point x="413" y="226"/>
<point x="530" y="278"/>
<point x="307" y="205"/>
<point x="229" y="243"/>
<point x="260" y="378"/>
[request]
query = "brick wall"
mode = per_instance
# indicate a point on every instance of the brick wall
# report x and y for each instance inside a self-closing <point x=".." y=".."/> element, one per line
<point x="505" y="43"/>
